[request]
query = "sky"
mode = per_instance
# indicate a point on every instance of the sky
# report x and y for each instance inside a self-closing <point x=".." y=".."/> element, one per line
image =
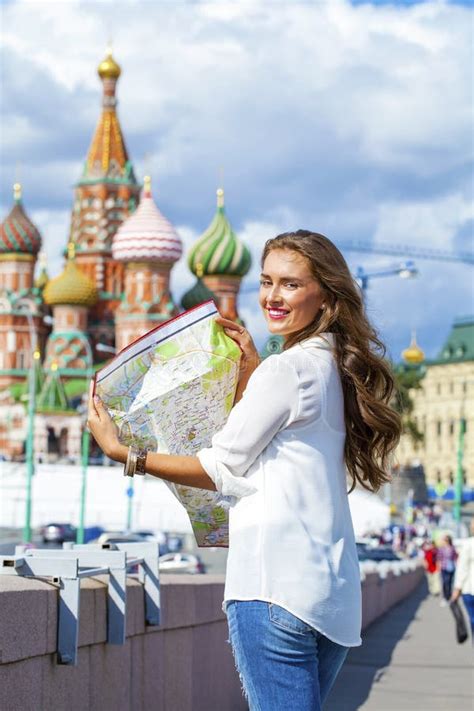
<point x="353" y="119"/>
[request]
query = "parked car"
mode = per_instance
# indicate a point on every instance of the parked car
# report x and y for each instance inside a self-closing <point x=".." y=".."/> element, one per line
<point x="58" y="532"/>
<point x="118" y="537"/>
<point x="181" y="563"/>
<point x="376" y="554"/>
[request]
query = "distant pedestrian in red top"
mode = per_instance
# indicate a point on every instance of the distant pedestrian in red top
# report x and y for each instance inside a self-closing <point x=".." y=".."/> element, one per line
<point x="431" y="567"/>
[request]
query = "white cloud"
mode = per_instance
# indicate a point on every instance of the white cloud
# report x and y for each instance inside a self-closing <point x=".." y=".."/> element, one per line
<point x="353" y="121"/>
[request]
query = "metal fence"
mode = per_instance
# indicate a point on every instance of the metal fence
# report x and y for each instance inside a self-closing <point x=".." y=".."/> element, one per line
<point x="65" y="568"/>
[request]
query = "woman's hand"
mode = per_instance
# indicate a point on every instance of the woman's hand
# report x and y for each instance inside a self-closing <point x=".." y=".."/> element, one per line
<point x="250" y="358"/>
<point x="456" y="595"/>
<point x="104" y="430"/>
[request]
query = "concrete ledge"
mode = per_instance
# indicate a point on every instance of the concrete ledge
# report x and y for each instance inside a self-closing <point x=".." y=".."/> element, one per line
<point x="184" y="665"/>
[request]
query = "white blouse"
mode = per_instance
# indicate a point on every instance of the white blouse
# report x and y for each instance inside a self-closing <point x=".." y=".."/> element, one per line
<point x="280" y="460"/>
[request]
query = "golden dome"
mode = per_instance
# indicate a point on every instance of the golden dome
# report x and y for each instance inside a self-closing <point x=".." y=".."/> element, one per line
<point x="413" y="354"/>
<point x="108" y="68"/>
<point x="71" y="287"/>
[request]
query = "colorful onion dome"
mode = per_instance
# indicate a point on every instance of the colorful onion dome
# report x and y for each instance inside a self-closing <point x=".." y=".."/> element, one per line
<point x="198" y="294"/>
<point x="413" y="354"/>
<point x="108" y="68"/>
<point x="218" y="249"/>
<point x="147" y="236"/>
<point x="71" y="287"/>
<point x="17" y="232"/>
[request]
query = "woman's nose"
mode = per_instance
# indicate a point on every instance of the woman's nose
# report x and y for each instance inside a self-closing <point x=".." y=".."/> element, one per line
<point x="274" y="293"/>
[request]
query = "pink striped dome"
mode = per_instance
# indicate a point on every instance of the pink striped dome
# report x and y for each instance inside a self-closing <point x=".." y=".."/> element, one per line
<point x="147" y="236"/>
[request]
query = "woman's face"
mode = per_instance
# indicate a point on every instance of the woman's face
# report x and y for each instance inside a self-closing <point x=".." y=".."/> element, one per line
<point x="289" y="294"/>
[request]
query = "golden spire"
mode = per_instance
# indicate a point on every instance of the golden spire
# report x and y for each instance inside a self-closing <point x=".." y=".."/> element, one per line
<point x="413" y="354"/>
<point x="108" y="68"/>
<point x="17" y="192"/>
<point x="71" y="250"/>
<point x="220" y="197"/>
<point x="147" y="185"/>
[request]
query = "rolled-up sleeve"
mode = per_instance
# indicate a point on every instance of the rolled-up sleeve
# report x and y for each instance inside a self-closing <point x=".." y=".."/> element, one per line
<point x="269" y="404"/>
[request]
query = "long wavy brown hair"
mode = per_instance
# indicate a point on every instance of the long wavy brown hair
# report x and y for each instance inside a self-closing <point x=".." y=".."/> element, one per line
<point x="373" y="428"/>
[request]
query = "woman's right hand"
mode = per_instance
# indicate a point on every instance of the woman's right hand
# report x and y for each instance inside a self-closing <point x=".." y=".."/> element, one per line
<point x="250" y="358"/>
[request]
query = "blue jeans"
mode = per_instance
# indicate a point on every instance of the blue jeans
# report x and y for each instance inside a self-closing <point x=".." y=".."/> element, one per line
<point x="283" y="663"/>
<point x="468" y="601"/>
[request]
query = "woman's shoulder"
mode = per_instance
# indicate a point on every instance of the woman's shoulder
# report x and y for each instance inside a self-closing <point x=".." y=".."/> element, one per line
<point x="305" y="357"/>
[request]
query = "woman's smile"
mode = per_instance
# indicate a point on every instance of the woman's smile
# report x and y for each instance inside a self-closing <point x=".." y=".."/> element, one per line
<point x="277" y="314"/>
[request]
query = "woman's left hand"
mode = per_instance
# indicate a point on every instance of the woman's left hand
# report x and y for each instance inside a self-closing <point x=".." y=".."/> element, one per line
<point x="103" y="428"/>
<point x="250" y="357"/>
<point x="455" y="596"/>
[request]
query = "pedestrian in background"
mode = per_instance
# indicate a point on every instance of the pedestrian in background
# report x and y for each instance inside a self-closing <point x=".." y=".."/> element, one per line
<point x="464" y="578"/>
<point x="446" y="557"/>
<point x="431" y="567"/>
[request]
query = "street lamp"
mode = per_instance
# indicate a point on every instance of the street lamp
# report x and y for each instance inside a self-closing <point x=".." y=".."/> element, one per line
<point x="406" y="270"/>
<point x="458" y="486"/>
<point x="85" y="451"/>
<point x="130" y="491"/>
<point x="30" y="453"/>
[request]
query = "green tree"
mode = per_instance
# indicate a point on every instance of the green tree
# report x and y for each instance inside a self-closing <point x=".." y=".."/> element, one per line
<point x="407" y="378"/>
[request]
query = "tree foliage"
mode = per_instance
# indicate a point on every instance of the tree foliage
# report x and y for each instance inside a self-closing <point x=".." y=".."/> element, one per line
<point x="406" y="379"/>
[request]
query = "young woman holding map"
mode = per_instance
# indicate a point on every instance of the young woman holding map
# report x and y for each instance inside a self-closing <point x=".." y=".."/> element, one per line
<point x="304" y="420"/>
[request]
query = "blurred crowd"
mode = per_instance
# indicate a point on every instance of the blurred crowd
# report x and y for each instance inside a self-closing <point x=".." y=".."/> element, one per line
<point x="448" y="560"/>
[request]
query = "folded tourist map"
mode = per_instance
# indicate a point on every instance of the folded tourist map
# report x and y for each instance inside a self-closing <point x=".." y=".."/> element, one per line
<point x="169" y="392"/>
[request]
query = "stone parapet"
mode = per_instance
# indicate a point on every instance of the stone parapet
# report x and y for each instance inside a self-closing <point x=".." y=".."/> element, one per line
<point x="184" y="665"/>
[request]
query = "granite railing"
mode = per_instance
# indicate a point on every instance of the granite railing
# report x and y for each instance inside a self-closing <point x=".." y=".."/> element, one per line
<point x="185" y="664"/>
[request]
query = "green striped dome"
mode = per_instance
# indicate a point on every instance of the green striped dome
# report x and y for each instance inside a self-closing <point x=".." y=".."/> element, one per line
<point x="218" y="251"/>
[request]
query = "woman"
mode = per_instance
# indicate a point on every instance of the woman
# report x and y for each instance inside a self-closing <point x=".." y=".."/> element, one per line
<point x="303" y="419"/>
<point x="446" y="558"/>
<point x="464" y="578"/>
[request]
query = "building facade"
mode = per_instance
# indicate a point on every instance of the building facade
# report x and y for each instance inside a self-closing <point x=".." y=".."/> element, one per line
<point x="443" y="410"/>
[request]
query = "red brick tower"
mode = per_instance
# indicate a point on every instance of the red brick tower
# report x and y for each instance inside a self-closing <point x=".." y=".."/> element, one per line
<point x="148" y="245"/>
<point x="105" y="195"/>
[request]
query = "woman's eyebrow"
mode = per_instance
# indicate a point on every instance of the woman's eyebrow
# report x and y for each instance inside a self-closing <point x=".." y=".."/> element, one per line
<point x="282" y="278"/>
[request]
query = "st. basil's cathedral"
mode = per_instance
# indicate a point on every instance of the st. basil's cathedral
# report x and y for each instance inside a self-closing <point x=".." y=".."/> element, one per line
<point x="115" y="286"/>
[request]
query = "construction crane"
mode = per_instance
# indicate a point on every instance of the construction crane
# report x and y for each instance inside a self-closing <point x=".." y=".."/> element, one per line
<point x="403" y="250"/>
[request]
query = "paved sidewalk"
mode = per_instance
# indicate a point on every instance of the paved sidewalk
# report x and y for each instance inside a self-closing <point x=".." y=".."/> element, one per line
<point x="409" y="661"/>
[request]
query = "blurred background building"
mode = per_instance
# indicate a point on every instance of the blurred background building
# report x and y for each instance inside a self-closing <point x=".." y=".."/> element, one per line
<point x="115" y="287"/>
<point x="440" y="421"/>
